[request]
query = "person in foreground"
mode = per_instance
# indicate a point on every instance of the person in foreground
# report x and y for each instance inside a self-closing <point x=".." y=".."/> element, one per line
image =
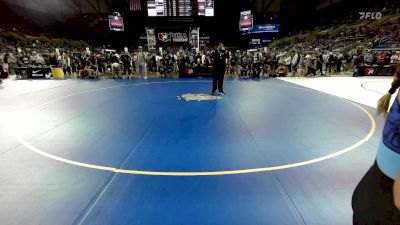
<point x="218" y="59"/>
<point x="376" y="199"/>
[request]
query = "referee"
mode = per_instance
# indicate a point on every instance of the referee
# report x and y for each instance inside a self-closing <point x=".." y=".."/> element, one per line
<point x="218" y="59"/>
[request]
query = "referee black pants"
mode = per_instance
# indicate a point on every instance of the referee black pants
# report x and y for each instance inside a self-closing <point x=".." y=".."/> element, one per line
<point x="218" y="81"/>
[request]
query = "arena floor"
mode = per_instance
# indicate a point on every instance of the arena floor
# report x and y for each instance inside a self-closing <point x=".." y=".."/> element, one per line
<point x="273" y="151"/>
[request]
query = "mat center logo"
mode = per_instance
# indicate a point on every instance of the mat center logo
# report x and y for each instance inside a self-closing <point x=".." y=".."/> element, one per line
<point x="173" y="37"/>
<point x="198" y="97"/>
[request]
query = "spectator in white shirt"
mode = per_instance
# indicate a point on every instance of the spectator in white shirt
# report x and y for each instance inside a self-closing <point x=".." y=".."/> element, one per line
<point x="141" y="62"/>
<point x="394" y="59"/>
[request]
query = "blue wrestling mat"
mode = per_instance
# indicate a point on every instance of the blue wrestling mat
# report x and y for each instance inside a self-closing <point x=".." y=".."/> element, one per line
<point x="165" y="152"/>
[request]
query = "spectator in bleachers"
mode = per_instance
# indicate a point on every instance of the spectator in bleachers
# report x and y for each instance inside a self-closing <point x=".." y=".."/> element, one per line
<point x="339" y="62"/>
<point x="142" y="62"/>
<point x="381" y="58"/>
<point x="295" y="62"/>
<point x="359" y="58"/>
<point x="66" y="64"/>
<point x="311" y="62"/>
<point x="257" y="64"/>
<point x="331" y="63"/>
<point x="101" y="64"/>
<point x="368" y="58"/>
<point x="320" y="62"/>
<point x="127" y="63"/>
<point x="244" y="64"/>
<point x="116" y="66"/>
<point x="395" y="58"/>
<point x="302" y="68"/>
<point x="233" y="60"/>
<point x="287" y="61"/>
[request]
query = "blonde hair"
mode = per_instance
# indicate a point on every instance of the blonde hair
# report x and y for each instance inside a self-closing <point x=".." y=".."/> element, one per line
<point x="383" y="103"/>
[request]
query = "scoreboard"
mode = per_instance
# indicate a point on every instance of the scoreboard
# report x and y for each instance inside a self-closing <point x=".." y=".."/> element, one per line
<point x="177" y="8"/>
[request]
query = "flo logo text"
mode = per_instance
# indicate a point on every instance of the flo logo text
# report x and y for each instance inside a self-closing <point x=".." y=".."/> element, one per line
<point x="370" y="15"/>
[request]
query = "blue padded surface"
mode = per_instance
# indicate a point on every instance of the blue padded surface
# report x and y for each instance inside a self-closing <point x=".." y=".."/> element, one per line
<point x="145" y="127"/>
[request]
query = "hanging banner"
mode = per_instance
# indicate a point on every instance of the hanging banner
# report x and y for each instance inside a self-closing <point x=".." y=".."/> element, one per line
<point x="116" y="23"/>
<point x="151" y="39"/>
<point x="265" y="40"/>
<point x="172" y="37"/>
<point x="266" y="28"/>
<point x="194" y="39"/>
<point x="263" y="28"/>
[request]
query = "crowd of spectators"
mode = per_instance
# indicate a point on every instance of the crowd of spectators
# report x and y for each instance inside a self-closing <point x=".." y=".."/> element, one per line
<point x="339" y="47"/>
<point x="324" y="50"/>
